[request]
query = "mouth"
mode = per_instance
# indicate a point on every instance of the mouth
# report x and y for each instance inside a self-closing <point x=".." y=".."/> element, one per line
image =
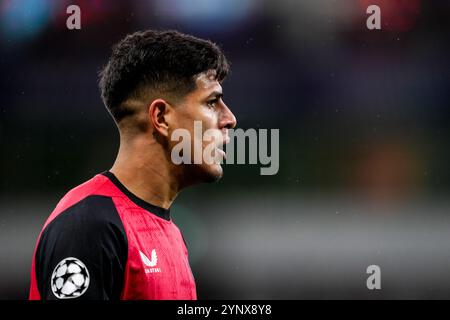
<point x="226" y="140"/>
<point x="219" y="148"/>
<point x="221" y="153"/>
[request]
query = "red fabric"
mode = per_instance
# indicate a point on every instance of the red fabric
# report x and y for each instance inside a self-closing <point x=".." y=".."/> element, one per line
<point x="167" y="274"/>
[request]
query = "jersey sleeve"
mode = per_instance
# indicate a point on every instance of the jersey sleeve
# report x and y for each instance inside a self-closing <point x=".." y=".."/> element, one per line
<point x="82" y="253"/>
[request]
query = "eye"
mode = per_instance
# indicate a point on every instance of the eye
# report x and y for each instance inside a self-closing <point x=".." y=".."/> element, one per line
<point x="212" y="103"/>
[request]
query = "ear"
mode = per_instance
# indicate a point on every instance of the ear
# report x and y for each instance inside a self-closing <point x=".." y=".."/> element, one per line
<point x="158" y="113"/>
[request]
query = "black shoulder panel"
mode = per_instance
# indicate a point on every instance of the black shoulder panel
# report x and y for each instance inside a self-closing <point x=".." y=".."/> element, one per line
<point x="82" y="253"/>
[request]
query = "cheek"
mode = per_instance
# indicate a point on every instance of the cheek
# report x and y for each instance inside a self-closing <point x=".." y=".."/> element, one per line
<point x="204" y="112"/>
<point x="209" y="119"/>
<point x="197" y="119"/>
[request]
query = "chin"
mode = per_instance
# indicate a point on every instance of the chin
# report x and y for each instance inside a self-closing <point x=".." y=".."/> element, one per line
<point x="213" y="173"/>
<point x="207" y="173"/>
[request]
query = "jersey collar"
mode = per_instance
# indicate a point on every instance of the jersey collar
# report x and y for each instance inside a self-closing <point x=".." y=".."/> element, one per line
<point x="160" y="212"/>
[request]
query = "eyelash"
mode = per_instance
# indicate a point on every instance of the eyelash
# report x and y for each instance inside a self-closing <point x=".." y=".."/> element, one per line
<point x="211" y="103"/>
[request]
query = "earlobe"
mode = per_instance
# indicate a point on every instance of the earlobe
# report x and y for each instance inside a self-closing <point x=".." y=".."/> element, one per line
<point x="158" y="111"/>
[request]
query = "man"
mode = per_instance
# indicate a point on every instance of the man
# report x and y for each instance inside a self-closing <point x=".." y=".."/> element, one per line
<point x="112" y="237"/>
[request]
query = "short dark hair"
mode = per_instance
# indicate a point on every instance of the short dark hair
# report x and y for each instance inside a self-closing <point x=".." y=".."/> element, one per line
<point x="167" y="61"/>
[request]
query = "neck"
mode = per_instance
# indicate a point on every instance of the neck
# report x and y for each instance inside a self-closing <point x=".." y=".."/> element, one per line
<point x="143" y="168"/>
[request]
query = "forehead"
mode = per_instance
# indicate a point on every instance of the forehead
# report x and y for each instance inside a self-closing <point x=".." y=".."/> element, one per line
<point x="207" y="83"/>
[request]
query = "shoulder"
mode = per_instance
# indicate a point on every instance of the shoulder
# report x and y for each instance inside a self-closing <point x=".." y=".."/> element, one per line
<point x="92" y="213"/>
<point x="85" y="197"/>
<point x="89" y="234"/>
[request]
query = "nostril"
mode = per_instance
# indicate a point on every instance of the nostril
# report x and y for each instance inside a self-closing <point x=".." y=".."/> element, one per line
<point x="231" y="123"/>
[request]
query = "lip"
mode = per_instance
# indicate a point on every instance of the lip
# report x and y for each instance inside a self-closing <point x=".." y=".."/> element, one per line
<point x="221" y="152"/>
<point x="226" y="140"/>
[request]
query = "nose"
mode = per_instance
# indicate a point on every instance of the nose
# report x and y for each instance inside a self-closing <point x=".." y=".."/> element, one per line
<point x="227" y="120"/>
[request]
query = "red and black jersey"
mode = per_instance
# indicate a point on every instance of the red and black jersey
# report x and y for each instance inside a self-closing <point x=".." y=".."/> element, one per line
<point x="103" y="242"/>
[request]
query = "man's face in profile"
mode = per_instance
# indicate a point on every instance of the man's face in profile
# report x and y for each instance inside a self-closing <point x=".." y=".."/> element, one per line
<point x="203" y="110"/>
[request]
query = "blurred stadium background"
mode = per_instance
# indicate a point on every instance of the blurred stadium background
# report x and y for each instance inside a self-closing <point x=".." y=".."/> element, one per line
<point x="364" y="130"/>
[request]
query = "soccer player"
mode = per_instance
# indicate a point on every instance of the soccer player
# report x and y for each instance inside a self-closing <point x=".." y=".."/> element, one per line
<point x="113" y="237"/>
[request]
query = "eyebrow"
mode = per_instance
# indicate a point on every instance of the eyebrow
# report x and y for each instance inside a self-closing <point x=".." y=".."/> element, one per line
<point x="215" y="93"/>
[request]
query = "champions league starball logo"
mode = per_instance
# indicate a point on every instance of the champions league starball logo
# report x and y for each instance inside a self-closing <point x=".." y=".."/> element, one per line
<point x="70" y="279"/>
